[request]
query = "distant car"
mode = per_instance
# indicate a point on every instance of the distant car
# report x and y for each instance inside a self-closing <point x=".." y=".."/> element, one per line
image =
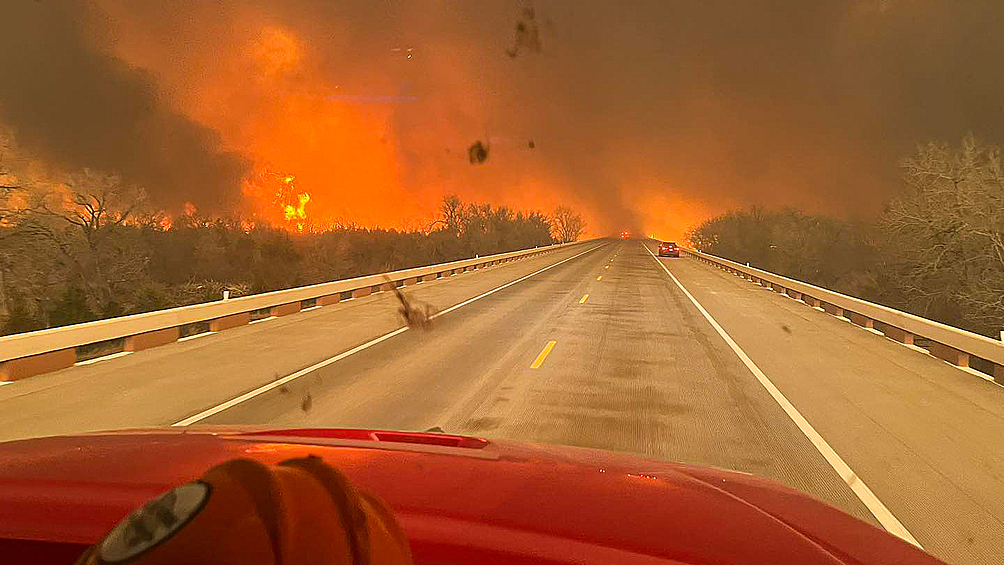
<point x="459" y="499"/>
<point x="669" y="249"/>
<point x="625" y="234"/>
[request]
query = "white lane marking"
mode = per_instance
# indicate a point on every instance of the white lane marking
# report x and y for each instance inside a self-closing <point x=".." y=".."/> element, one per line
<point x="262" y="319"/>
<point x="310" y="308"/>
<point x="104" y="358"/>
<point x="249" y="395"/>
<point x="865" y="494"/>
<point x="279" y="382"/>
<point x="6" y="383"/>
<point x="194" y="336"/>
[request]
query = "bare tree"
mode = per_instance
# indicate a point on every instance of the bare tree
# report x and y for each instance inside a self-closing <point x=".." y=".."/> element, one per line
<point x="945" y="234"/>
<point x="452" y="211"/>
<point x="566" y="224"/>
<point x="85" y="223"/>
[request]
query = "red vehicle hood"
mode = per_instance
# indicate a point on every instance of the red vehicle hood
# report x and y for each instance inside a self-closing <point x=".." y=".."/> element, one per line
<point x="459" y="499"/>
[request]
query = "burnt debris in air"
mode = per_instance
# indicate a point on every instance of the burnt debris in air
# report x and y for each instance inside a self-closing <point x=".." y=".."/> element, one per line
<point x="527" y="35"/>
<point x="415" y="316"/>
<point x="477" y="152"/>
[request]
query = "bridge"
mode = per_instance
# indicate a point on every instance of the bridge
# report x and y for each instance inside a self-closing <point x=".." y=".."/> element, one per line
<point x="895" y="419"/>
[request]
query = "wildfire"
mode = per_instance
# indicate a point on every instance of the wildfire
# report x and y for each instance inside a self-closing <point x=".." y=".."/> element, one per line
<point x="300" y="212"/>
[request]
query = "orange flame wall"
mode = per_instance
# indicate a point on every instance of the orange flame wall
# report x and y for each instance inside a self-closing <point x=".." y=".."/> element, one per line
<point x="392" y="146"/>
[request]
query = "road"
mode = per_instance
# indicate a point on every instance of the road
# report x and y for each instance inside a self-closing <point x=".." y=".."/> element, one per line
<point x="600" y="346"/>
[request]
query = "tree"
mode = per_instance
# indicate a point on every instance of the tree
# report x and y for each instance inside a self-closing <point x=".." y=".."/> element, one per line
<point x="86" y="223"/>
<point x="566" y="224"/>
<point x="944" y="235"/>
<point x="452" y="211"/>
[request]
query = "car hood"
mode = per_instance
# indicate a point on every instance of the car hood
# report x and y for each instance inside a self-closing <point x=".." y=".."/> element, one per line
<point x="545" y="502"/>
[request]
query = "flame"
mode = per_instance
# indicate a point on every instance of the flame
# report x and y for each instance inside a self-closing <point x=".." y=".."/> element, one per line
<point x="266" y="89"/>
<point x="300" y="211"/>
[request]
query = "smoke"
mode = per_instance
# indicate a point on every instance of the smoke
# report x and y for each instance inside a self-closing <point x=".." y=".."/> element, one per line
<point x="74" y="104"/>
<point x="648" y="116"/>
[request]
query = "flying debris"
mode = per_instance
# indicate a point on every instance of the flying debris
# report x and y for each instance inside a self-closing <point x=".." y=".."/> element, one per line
<point x="414" y="316"/>
<point x="527" y="34"/>
<point x="408" y="52"/>
<point x="477" y="153"/>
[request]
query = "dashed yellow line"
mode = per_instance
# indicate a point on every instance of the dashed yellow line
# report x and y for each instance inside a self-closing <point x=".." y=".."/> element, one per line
<point x="584" y="298"/>
<point x="599" y="278"/>
<point x="543" y="355"/>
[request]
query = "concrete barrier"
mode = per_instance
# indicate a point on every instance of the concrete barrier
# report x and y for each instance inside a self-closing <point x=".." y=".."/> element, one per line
<point x="16" y="369"/>
<point x="231" y="321"/>
<point x="952" y="344"/>
<point x="329" y="299"/>
<point x="284" y="309"/>
<point x="42" y="351"/>
<point x="147" y="340"/>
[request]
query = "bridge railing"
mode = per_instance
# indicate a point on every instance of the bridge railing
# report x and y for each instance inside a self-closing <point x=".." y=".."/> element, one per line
<point x="31" y="353"/>
<point x="952" y="344"/>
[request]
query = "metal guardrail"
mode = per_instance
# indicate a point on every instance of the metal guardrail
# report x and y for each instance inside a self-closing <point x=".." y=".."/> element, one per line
<point x="47" y="350"/>
<point x="949" y="343"/>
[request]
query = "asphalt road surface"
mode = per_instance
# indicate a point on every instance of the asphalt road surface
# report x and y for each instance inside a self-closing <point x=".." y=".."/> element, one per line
<point x="598" y="346"/>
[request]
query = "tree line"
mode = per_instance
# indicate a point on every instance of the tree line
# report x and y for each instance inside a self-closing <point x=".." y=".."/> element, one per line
<point x="95" y="250"/>
<point x="936" y="250"/>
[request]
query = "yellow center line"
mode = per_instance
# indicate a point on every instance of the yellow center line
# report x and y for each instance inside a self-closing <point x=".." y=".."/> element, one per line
<point x="599" y="278"/>
<point x="584" y="298"/>
<point x="543" y="355"/>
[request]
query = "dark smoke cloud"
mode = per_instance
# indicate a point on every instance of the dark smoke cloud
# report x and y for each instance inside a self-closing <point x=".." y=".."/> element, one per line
<point x="634" y="108"/>
<point x="75" y="105"/>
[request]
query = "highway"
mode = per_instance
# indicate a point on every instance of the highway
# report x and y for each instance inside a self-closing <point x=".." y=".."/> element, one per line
<point x="599" y="345"/>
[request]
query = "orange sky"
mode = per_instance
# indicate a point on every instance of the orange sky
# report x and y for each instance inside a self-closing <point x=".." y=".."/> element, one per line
<point x="266" y="88"/>
<point x="647" y="118"/>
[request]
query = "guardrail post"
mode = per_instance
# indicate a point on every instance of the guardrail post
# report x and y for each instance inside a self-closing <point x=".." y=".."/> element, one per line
<point x="794" y="294"/>
<point x="15" y="369"/>
<point x="950" y="354"/>
<point x="833" y="309"/>
<point x="814" y="302"/>
<point x="284" y="309"/>
<point x="329" y="299"/>
<point x="147" y="340"/>
<point x="860" y="320"/>
<point x="361" y="292"/>
<point x="411" y="281"/>
<point x="386" y="286"/>
<point x="897" y="334"/>
<point x="430" y="277"/>
<point x="999" y="373"/>
<point x="231" y="321"/>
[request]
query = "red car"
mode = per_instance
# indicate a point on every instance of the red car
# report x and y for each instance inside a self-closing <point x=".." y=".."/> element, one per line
<point x="669" y="249"/>
<point x="460" y="499"/>
<point x="625" y="234"/>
